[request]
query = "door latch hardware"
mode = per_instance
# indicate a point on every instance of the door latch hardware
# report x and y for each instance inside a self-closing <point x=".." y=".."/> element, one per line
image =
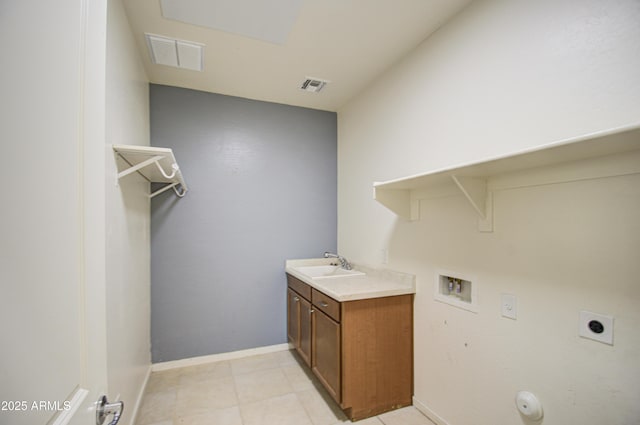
<point x="104" y="409"/>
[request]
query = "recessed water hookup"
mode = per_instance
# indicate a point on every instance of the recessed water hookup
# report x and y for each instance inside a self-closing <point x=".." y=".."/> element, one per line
<point x="456" y="289"/>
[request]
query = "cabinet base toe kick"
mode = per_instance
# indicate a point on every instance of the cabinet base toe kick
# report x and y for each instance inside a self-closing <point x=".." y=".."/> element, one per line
<point x="356" y="415"/>
<point x="361" y="351"/>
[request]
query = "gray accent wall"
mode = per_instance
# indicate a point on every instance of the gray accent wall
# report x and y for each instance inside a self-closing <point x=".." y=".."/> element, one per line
<point x="263" y="189"/>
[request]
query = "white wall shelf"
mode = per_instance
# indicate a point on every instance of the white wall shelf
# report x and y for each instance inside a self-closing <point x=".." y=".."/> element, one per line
<point x="156" y="165"/>
<point x="604" y="154"/>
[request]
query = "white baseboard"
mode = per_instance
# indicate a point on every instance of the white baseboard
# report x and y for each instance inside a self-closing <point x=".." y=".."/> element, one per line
<point x="143" y="388"/>
<point x="194" y="361"/>
<point x="428" y="412"/>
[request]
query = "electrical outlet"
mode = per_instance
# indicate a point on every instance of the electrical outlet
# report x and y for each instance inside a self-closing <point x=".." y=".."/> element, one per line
<point x="509" y="306"/>
<point x="598" y="327"/>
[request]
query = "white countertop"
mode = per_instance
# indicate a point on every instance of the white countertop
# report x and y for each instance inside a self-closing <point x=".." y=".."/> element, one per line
<point x="375" y="283"/>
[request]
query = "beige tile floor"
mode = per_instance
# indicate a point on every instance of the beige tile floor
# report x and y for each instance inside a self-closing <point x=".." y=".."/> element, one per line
<point x="268" y="389"/>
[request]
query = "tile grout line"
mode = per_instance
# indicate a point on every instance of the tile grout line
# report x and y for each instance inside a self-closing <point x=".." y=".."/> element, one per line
<point x="306" y="411"/>
<point x="235" y="390"/>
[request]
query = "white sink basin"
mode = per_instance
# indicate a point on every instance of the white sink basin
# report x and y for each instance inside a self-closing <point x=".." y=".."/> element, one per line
<point x="327" y="272"/>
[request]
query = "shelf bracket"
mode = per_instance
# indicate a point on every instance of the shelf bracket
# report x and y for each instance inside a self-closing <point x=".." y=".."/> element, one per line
<point x="174" y="167"/>
<point x="179" y="194"/>
<point x="164" y="189"/>
<point x="173" y="186"/>
<point x="141" y="165"/>
<point x="486" y="224"/>
<point x="475" y="190"/>
<point x="398" y="201"/>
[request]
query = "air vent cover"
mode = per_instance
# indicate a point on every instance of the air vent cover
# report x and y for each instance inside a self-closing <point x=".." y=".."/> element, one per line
<point x="313" y="85"/>
<point x="172" y="52"/>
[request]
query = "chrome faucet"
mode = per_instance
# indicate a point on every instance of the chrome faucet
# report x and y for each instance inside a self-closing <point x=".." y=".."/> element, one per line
<point x="343" y="261"/>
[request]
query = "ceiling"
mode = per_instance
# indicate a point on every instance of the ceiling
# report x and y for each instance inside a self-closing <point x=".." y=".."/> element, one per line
<point x="266" y="53"/>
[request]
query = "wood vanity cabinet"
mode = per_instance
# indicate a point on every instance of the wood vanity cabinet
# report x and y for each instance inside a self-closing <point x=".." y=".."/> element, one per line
<point x="361" y="351"/>
<point x="299" y="324"/>
<point x="325" y="342"/>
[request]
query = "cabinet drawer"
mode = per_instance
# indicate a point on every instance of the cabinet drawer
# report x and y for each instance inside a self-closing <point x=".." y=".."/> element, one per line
<point x="299" y="286"/>
<point x="327" y="304"/>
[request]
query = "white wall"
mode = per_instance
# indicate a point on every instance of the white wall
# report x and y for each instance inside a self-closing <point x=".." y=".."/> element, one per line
<point x="501" y="77"/>
<point x="127" y="227"/>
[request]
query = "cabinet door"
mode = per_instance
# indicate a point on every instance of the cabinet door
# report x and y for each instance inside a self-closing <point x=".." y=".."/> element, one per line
<point x="305" y="331"/>
<point x="293" y="318"/>
<point x="377" y="342"/>
<point x="326" y="352"/>
<point x="299" y="324"/>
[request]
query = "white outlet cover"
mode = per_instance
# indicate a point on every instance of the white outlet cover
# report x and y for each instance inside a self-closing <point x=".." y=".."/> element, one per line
<point x="595" y="326"/>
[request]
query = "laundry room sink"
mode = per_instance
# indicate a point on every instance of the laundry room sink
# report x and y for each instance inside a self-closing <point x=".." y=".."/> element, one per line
<point x="327" y="272"/>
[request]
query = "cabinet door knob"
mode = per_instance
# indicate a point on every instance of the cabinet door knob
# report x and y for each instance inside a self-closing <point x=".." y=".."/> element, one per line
<point x="311" y="310"/>
<point x="323" y="304"/>
<point x="296" y="299"/>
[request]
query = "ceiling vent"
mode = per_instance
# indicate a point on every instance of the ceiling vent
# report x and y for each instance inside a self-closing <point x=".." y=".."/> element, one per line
<point x="314" y="85"/>
<point x="177" y="53"/>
